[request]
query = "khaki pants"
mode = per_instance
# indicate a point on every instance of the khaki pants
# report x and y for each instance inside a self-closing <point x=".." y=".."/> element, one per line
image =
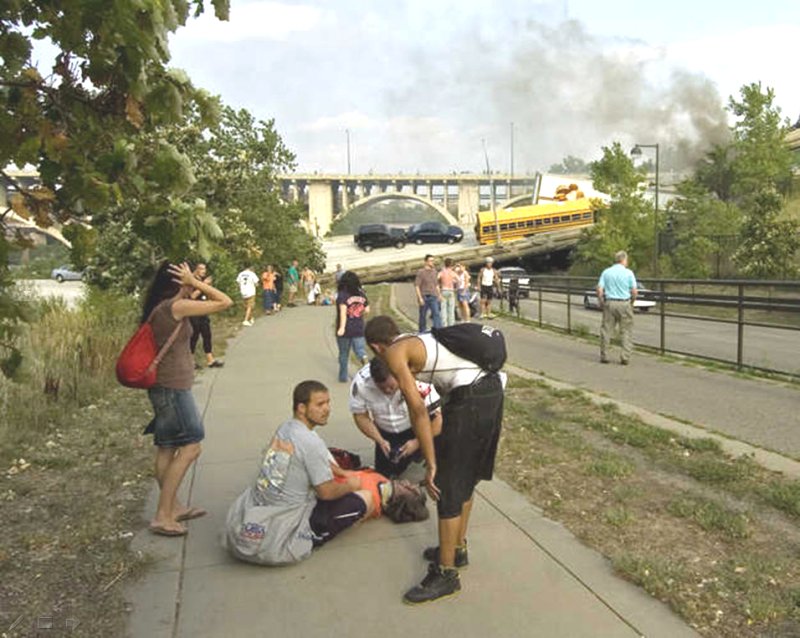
<point x="617" y="313"/>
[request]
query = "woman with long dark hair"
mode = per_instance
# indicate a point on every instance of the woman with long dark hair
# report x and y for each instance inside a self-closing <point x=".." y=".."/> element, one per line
<point x="351" y="306"/>
<point x="177" y="428"/>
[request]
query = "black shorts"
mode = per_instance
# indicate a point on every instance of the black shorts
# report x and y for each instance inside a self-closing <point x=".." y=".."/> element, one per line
<point x="330" y="518"/>
<point x="466" y="448"/>
<point x="486" y="292"/>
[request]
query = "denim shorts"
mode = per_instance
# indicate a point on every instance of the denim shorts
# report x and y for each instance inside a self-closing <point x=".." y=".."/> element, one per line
<point x="177" y="421"/>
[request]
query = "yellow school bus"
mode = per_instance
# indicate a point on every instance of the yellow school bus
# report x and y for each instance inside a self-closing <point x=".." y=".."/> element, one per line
<point x="524" y="221"/>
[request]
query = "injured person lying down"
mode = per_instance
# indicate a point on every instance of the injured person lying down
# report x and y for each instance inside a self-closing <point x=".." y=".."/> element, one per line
<point x="302" y="498"/>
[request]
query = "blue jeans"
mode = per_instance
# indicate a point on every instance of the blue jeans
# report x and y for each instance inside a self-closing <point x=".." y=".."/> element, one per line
<point x="359" y="345"/>
<point x="432" y="304"/>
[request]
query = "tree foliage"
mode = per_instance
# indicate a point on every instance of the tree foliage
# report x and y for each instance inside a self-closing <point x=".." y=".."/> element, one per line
<point x="625" y="222"/>
<point x="769" y="243"/>
<point x="570" y="165"/>
<point x="83" y="122"/>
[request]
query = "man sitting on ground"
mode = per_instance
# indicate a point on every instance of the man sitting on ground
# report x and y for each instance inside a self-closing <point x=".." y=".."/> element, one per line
<point x="380" y="412"/>
<point x="296" y="503"/>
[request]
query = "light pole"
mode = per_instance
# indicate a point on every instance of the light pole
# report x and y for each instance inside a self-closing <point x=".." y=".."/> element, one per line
<point x="347" y="134"/>
<point x="636" y="151"/>
<point x="491" y="193"/>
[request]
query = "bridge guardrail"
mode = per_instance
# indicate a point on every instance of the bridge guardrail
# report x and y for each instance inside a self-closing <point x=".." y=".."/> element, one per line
<point x="744" y="303"/>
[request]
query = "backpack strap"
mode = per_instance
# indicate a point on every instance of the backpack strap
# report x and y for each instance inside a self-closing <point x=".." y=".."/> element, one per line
<point x="167" y="344"/>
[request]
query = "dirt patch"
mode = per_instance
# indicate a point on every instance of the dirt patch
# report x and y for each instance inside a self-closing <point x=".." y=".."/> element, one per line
<point x="714" y="537"/>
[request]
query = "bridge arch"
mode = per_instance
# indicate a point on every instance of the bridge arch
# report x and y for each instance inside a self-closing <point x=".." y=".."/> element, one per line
<point x="377" y="197"/>
<point x="52" y="231"/>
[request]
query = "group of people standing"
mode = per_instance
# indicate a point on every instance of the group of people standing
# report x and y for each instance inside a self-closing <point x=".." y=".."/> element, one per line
<point x="440" y="291"/>
<point x="272" y="284"/>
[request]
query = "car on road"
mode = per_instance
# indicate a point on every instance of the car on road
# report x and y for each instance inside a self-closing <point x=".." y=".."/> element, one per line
<point x="644" y="300"/>
<point x="66" y="273"/>
<point x="434" y="232"/>
<point x="511" y="276"/>
<point x="371" y="236"/>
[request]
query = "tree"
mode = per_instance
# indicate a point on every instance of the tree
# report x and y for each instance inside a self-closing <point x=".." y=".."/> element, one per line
<point x="625" y="223"/>
<point x="86" y="123"/>
<point x="769" y="243"/>
<point x="700" y="220"/>
<point x="761" y="158"/>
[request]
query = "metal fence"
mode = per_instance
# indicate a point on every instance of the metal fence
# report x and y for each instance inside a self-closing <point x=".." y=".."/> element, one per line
<point x="749" y="324"/>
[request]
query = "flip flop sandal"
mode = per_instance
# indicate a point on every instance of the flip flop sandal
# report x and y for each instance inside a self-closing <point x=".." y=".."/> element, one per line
<point x="192" y="513"/>
<point x="163" y="531"/>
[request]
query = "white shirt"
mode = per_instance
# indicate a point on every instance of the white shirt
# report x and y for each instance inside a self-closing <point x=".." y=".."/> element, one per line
<point x="247" y="281"/>
<point x="389" y="413"/>
<point x="487" y="276"/>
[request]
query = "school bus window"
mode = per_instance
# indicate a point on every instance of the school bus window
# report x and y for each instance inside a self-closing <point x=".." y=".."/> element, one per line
<point x="503" y="226"/>
<point x="565" y="218"/>
<point x="587" y="215"/>
<point x="576" y="216"/>
<point x="556" y="220"/>
<point x="512" y="226"/>
<point x="538" y="222"/>
<point x="529" y="223"/>
<point x="488" y="229"/>
<point x="546" y="221"/>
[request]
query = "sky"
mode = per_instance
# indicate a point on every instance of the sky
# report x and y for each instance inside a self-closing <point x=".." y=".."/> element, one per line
<point x="427" y="85"/>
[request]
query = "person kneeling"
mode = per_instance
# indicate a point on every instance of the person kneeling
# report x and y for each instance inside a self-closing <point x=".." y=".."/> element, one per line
<point x="301" y="498"/>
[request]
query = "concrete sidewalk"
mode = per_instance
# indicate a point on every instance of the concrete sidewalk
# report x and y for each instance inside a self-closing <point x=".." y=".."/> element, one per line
<point x="527" y="576"/>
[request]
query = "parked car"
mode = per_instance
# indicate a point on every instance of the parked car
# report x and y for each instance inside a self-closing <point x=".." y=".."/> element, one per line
<point x="515" y="276"/>
<point x="434" y="232"/>
<point x="644" y="299"/>
<point x="66" y="273"/>
<point x="371" y="236"/>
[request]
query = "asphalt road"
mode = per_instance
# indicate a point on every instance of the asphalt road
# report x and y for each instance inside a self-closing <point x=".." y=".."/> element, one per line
<point x="70" y="291"/>
<point x="770" y="348"/>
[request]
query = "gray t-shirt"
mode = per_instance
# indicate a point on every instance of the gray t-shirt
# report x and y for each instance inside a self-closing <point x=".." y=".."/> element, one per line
<point x="269" y="522"/>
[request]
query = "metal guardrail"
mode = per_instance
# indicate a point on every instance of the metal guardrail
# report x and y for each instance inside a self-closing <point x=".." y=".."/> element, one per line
<point x="743" y="303"/>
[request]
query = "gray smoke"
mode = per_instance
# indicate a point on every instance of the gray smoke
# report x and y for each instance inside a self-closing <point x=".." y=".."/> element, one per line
<point x="567" y="93"/>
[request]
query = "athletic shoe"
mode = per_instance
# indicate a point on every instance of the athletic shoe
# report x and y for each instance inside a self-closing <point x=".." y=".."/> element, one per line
<point x="439" y="583"/>
<point x="216" y="363"/>
<point x="251" y="322"/>
<point x="246" y="323"/>
<point x="431" y="554"/>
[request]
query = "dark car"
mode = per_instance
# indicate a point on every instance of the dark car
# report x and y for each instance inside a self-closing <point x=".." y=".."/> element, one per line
<point x="434" y="232"/>
<point x="514" y="277"/>
<point x="371" y="236"/>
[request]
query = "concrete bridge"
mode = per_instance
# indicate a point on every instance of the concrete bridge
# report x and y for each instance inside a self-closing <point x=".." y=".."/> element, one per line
<point x="457" y="196"/>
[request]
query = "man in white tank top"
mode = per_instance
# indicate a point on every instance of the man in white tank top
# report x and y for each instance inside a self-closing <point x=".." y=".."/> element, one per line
<point x="464" y="449"/>
<point x="488" y="278"/>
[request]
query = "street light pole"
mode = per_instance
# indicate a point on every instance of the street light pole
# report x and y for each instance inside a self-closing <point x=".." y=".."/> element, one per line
<point x="491" y="193"/>
<point x="636" y="151"/>
<point x="347" y="134"/>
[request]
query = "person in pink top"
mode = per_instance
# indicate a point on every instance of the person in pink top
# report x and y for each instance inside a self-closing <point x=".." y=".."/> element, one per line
<point x="447" y="284"/>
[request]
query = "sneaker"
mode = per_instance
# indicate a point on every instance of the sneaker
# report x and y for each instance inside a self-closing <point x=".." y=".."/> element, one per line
<point x="431" y="554"/>
<point x="251" y="322"/>
<point x="216" y="363"/>
<point x="245" y="323"/>
<point x="440" y="582"/>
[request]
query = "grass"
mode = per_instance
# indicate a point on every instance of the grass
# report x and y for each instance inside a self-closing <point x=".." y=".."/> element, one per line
<point x="74" y="469"/>
<point x="715" y="537"/>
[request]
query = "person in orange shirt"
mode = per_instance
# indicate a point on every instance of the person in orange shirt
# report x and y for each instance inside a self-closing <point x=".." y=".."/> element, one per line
<point x="270" y="294"/>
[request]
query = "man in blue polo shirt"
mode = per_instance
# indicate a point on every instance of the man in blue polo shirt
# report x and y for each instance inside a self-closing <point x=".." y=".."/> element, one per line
<point x="616" y="292"/>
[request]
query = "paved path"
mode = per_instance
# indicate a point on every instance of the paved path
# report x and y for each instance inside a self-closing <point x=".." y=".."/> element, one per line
<point x="761" y="412"/>
<point x="527" y="576"/>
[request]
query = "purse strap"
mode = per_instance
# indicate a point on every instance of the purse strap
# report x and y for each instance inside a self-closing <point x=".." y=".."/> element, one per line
<point x="167" y="344"/>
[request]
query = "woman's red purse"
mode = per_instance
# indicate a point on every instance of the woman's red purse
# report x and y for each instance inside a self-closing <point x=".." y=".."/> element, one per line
<point x="138" y="362"/>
